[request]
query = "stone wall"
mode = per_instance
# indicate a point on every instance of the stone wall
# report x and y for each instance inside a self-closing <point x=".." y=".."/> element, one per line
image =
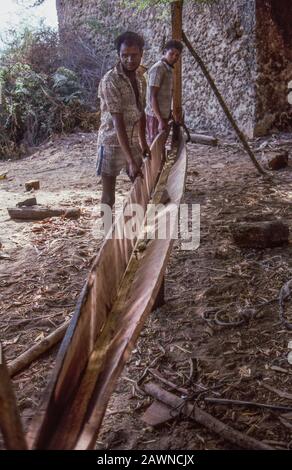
<point x="274" y="65"/>
<point x="223" y="35"/>
<point x="231" y="38"/>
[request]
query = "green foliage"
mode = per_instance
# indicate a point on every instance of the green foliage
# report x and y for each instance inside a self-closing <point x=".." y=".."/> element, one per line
<point x="38" y="97"/>
<point x="36" y="47"/>
<point x="36" y="105"/>
<point x="21" y="93"/>
<point x="66" y="85"/>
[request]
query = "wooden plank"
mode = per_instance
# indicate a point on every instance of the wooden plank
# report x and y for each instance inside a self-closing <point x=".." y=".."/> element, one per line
<point x="93" y="308"/>
<point x="10" y="423"/>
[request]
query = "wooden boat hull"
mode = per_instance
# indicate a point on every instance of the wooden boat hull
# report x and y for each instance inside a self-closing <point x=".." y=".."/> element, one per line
<point x="118" y="296"/>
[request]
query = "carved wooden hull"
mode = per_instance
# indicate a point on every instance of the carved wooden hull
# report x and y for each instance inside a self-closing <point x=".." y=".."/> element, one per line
<point x="119" y="294"/>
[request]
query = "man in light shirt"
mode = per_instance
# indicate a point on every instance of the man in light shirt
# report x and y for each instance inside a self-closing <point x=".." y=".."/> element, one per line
<point x="160" y="90"/>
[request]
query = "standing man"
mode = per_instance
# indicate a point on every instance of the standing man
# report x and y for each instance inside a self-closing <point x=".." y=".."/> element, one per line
<point x="160" y="89"/>
<point x="121" y="138"/>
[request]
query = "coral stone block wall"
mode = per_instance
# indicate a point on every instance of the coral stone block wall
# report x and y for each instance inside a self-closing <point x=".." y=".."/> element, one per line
<point x="246" y="45"/>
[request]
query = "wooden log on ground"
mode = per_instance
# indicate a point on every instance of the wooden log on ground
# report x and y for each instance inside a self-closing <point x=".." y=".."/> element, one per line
<point x="203" y="139"/>
<point x="25" y="359"/>
<point x="10" y="423"/>
<point x="34" y="184"/>
<point x="41" y="213"/>
<point x="205" y="419"/>
<point x="260" y="234"/>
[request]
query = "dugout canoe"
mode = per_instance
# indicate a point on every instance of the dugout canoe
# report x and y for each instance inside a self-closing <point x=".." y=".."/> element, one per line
<point x="120" y="292"/>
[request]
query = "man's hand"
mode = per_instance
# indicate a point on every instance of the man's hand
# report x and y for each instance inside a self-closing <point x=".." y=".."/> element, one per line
<point x="146" y="151"/>
<point x="162" y="125"/>
<point x="133" y="171"/>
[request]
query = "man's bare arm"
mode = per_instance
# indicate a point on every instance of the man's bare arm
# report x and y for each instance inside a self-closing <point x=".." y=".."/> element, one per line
<point x="118" y="120"/>
<point x="155" y="106"/>
<point x="142" y="136"/>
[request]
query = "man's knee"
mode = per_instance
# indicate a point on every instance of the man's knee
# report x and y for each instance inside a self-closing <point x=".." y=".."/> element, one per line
<point x="108" y="199"/>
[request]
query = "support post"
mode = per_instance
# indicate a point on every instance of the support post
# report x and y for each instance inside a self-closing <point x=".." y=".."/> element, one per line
<point x="223" y="105"/>
<point x="177" y="22"/>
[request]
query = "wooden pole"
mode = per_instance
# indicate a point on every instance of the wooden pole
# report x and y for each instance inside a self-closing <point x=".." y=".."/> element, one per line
<point x="177" y="29"/>
<point x="224" y="106"/>
<point x="30" y="355"/>
<point x="10" y="423"/>
<point x="205" y="419"/>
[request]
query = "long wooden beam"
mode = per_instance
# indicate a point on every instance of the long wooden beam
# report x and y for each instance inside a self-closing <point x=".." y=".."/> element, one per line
<point x="223" y="105"/>
<point x="177" y="21"/>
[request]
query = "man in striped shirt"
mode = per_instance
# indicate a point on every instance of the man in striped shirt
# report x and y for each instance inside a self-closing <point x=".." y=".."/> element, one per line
<point x="160" y="89"/>
<point x="121" y="137"/>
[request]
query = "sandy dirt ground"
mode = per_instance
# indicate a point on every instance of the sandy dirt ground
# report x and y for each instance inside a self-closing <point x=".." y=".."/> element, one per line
<point x="218" y="334"/>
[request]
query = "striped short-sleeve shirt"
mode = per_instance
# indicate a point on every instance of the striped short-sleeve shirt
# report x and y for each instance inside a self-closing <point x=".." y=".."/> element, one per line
<point x="160" y="75"/>
<point x="117" y="95"/>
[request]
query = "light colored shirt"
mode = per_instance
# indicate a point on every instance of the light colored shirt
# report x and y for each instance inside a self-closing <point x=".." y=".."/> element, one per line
<point x="160" y="75"/>
<point x="117" y="95"/>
